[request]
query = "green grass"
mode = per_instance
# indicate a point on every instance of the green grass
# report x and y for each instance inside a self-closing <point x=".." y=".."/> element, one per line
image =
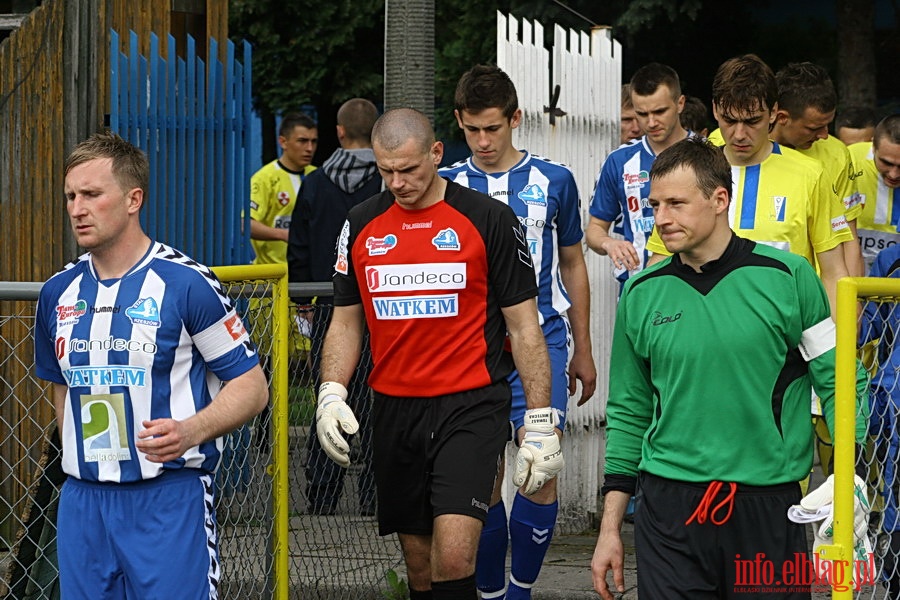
<point x="301" y="406"/>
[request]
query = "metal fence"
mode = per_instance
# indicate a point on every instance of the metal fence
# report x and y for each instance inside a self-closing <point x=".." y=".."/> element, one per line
<point x="870" y="335"/>
<point x="271" y="543"/>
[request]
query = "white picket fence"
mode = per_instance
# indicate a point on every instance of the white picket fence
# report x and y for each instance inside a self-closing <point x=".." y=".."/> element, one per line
<point x="584" y="128"/>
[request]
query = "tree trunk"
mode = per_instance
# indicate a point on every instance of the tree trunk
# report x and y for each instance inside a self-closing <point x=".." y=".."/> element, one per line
<point x="409" y="55"/>
<point x="856" y="53"/>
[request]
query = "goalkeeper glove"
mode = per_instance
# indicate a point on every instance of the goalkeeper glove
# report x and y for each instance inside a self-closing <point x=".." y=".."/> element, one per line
<point x="818" y="505"/>
<point x="333" y="416"/>
<point x="539" y="458"/>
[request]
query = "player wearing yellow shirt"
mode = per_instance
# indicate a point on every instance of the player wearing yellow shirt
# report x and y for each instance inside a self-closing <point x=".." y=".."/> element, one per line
<point x="806" y="106"/>
<point x="877" y="166"/>
<point x="779" y="197"/>
<point x="274" y="188"/>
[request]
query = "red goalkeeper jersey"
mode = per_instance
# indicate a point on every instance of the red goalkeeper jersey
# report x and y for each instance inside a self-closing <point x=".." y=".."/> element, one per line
<point x="432" y="283"/>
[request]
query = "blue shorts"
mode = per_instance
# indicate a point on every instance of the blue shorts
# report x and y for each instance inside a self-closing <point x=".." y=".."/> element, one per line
<point x="150" y="539"/>
<point x="559" y="337"/>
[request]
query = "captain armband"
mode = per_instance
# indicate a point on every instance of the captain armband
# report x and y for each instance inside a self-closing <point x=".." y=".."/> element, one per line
<point x="818" y="339"/>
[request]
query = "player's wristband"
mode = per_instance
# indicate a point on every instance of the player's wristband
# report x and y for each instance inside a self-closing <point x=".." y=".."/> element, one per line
<point x="541" y="420"/>
<point x="332" y="388"/>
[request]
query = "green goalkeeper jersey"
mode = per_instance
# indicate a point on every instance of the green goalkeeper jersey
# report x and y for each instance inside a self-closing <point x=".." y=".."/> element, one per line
<point x="710" y="372"/>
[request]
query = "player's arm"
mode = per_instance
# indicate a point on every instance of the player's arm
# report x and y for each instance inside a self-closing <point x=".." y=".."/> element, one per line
<point x="575" y="279"/>
<point x="609" y="552"/>
<point x="342" y="347"/>
<point x="853" y="257"/>
<point x="260" y="196"/>
<point x="832" y="266"/>
<point x="341" y="351"/>
<point x="539" y="458"/>
<point x="260" y="231"/>
<point x="236" y="403"/>
<point x="59" y="392"/>
<point x="621" y="252"/>
<point x="529" y="350"/>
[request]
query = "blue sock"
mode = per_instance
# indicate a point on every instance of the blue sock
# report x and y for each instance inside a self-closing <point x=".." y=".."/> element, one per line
<point x="530" y="531"/>
<point x="490" y="564"/>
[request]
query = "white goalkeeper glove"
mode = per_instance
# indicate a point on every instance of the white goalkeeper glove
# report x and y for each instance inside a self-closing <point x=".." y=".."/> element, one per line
<point x="332" y="417"/>
<point x="818" y="505"/>
<point x="539" y="458"/>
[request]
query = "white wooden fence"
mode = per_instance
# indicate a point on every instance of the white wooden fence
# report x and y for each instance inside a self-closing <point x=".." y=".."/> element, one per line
<point x="571" y="115"/>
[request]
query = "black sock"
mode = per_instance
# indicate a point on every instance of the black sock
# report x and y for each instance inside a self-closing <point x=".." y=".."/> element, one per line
<point x="458" y="589"/>
<point x="417" y="595"/>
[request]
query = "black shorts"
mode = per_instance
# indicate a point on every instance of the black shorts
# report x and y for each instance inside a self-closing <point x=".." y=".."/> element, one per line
<point x="435" y="456"/>
<point x="745" y="557"/>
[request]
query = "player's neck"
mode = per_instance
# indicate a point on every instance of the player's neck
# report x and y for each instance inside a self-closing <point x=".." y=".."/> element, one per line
<point x="431" y="196"/>
<point x="506" y="162"/>
<point x="115" y="260"/>
<point x="290" y="165"/>
<point x="778" y="138"/>
<point x="737" y="160"/>
<point x="711" y="249"/>
<point x="678" y="134"/>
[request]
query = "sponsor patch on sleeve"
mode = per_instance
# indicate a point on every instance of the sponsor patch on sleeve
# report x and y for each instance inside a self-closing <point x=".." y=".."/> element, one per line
<point x="341" y="264"/>
<point x="839" y="223"/>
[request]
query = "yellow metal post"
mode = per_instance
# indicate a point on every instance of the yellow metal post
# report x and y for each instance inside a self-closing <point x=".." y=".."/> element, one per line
<point x="279" y="402"/>
<point x="844" y="434"/>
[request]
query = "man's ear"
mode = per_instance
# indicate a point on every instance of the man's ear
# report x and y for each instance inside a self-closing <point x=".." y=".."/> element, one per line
<point x="721" y="197"/>
<point x="458" y="118"/>
<point x="516" y="119"/>
<point x="135" y="200"/>
<point x="782" y="117"/>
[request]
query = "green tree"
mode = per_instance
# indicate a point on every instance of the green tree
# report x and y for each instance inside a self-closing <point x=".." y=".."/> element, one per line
<point x="310" y="52"/>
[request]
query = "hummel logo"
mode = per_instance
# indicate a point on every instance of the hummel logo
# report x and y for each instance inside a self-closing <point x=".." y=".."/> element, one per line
<point x="539" y="536"/>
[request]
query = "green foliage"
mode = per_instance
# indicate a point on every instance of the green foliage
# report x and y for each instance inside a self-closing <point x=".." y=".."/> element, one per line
<point x="311" y="52"/>
<point x="301" y="405"/>
<point x="397" y="587"/>
<point x="641" y="13"/>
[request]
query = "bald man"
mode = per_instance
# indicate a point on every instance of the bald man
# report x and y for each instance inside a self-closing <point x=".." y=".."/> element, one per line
<point x="439" y="273"/>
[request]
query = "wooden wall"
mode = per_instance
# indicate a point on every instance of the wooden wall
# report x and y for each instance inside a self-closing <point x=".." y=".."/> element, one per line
<point x="54" y="92"/>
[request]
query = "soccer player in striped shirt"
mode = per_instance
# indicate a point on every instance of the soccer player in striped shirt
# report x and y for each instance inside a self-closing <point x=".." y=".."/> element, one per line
<point x="137" y="340"/>
<point x="544" y="196"/>
<point x="623" y="185"/>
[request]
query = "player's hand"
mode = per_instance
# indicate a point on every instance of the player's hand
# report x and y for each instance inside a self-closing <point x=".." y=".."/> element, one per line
<point x="582" y="368"/>
<point x="622" y="253"/>
<point x="818" y="505"/>
<point x="539" y="458"/>
<point x="608" y="556"/>
<point x="163" y="440"/>
<point x="333" y="416"/>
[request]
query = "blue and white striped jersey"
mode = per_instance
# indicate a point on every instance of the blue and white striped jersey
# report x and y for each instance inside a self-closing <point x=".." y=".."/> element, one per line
<point x="544" y="196"/>
<point x="621" y="197"/>
<point x="156" y="343"/>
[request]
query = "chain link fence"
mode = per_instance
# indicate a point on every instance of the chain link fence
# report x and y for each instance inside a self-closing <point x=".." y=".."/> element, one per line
<point x="879" y="325"/>
<point x="332" y="542"/>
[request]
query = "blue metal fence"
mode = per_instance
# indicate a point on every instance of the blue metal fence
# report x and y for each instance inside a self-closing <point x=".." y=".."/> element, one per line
<point x="193" y="121"/>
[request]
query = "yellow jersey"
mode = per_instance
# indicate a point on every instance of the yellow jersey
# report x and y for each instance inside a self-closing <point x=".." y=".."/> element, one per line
<point x="782" y="202"/>
<point x="838" y="166"/>
<point x="273" y="193"/>
<point x="877" y="224"/>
